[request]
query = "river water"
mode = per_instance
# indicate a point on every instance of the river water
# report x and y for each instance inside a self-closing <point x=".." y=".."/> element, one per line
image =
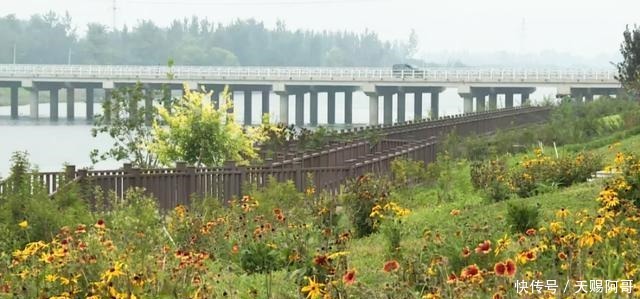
<point x="51" y="144"/>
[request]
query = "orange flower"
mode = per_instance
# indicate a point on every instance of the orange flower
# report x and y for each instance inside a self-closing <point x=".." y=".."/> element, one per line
<point x="470" y="271"/>
<point x="531" y="232"/>
<point x="100" y="224"/>
<point x="455" y="212"/>
<point x="349" y="277"/>
<point x="466" y="252"/>
<point x="484" y="247"/>
<point x="510" y="268"/>
<point x="277" y="211"/>
<point x="497" y="296"/>
<point x="390" y="266"/>
<point x="562" y="256"/>
<point x="452" y="278"/>
<point x="530" y="255"/>
<point x="235" y="248"/>
<point x="500" y="269"/>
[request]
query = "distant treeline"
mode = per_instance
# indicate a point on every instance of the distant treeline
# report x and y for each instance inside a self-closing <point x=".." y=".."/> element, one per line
<point x="51" y="39"/>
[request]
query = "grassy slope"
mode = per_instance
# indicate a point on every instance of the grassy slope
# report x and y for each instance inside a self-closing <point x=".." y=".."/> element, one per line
<point x="485" y="219"/>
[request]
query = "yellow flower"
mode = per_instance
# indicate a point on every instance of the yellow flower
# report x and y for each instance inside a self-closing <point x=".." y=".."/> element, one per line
<point x="113" y="272"/>
<point x="555" y="227"/>
<point x="51" y="277"/>
<point x="314" y="289"/>
<point x="24" y="224"/>
<point x="562" y="213"/>
<point x="589" y="239"/>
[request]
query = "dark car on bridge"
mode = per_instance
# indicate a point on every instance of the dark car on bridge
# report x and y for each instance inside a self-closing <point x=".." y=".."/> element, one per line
<point x="407" y="71"/>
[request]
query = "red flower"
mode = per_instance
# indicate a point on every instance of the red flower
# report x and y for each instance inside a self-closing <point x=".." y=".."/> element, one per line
<point x="390" y="266"/>
<point x="531" y="232"/>
<point x="235" y="248"/>
<point x="497" y="296"/>
<point x="500" y="269"/>
<point x="469" y="271"/>
<point x="484" y="247"/>
<point x="349" y="277"/>
<point x="321" y="260"/>
<point x="510" y="268"/>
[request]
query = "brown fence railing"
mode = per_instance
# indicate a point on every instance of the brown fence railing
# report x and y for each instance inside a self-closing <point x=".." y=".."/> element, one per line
<point x="328" y="168"/>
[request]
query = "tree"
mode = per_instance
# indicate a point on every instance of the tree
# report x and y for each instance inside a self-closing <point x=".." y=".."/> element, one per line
<point x="629" y="68"/>
<point x="201" y="135"/>
<point x="125" y="121"/>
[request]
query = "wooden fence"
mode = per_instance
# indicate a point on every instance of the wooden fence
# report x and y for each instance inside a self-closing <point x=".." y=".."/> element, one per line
<point x="329" y="167"/>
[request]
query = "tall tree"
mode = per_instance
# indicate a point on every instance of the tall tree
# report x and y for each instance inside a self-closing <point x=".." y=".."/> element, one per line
<point x="629" y="68"/>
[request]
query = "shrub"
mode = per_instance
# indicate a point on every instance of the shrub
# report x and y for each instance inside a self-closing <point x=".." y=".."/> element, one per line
<point x="407" y="172"/>
<point x="360" y="196"/>
<point x="522" y="217"/>
<point x="491" y="178"/>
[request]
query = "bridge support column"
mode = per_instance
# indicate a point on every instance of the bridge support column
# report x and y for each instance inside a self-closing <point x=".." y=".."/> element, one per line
<point x="493" y="101"/>
<point x="373" y="108"/>
<point x="435" y="105"/>
<point x="417" y="105"/>
<point x="54" y="102"/>
<point x="313" y="108"/>
<point x="331" y="107"/>
<point x="388" y="107"/>
<point x="265" y="102"/>
<point x="525" y="99"/>
<point x="480" y="101"/>
<point x="348" y="107"/>
<point x="467" y="105"/>
<point x="90" y="100"/>
<point x="107" y="101"/>
<point x="148" y="106"/>
<point x="14" y="102"/>
<point x="299" y="109"/>
<point x="35" y="102"/>
<point x="508" y="100"/>
<point x="71" y="102"/>
<point x="401" y="106"/>
<point x="284" y="107"/>
<point x="588" y="97"/>
<point x="248" y="103"/>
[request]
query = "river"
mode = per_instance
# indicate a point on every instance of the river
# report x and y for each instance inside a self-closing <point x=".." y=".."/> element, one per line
<point x="51" y="144"/>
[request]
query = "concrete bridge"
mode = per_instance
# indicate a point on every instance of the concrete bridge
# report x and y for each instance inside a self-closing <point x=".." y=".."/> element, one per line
<point x="472" y="84"/>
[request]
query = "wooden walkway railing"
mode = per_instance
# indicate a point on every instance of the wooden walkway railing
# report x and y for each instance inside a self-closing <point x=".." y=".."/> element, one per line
<point x="329" y="167"/>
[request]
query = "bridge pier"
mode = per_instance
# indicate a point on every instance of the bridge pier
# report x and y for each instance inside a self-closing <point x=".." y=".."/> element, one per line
<point x="401" y="108"/>
<point x="417" y="105"/>
<point x="331" y="107"/>
<point x="480" y="102"/>
<point x="71" y="100"/>
<point x="54" y="101"/>
<point x="313" y="107"/>
<point x="35" y="101"/>
<point x="265" y="102"/>
<point x="348" y="107"/>
<point x="373" y="108"/>
<point x="90" y="100"/>
<point x="14" y="102"/>
<point x="284" y="106"/>
<point x="493" y="100"/>
<point x="299" y="108"/>
<point x="467" y="105"/>
<point x="508" y="100"/>
<point x="248" y="103"/>
<point x="435" y="104"/>
<point x="388" y="106"/>
<point x="525" y="99"/>
<point x="107" y="100"/>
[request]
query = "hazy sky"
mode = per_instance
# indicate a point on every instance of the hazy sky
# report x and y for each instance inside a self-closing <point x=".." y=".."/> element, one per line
<point x="585" y="28"/>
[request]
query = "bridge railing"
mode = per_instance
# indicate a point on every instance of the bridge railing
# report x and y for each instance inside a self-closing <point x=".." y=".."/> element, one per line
<point x="181" y="73"/>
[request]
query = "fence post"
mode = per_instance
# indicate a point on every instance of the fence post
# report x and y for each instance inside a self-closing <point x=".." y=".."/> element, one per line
<point x="299" y="179"/>
<point x="229" y="180"/>
<point x="242" y="178"/>
<point x="126" y="181"/>
<point x="190" y="187"/>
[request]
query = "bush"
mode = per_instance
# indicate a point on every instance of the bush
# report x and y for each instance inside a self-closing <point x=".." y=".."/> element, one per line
<point x="491" y="178"/>
<point x="360" y="196"/>
<point x="523" y="217"/>
<point x="407" y="172"/>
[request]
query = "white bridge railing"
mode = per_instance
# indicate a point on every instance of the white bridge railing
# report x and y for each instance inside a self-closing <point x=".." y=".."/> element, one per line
<point x="180" y="73"/>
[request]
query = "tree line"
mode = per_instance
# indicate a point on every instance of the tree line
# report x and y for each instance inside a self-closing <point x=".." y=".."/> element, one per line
<point x="52" y="39"/>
